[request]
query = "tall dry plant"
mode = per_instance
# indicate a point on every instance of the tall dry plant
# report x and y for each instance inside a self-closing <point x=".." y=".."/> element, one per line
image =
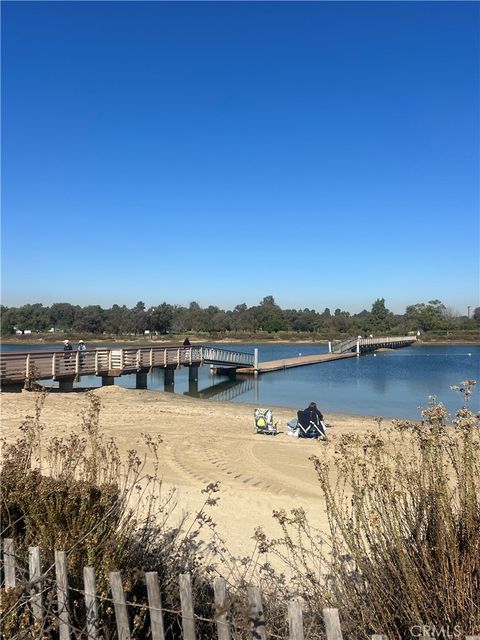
<point x="403" y="554"/>
<point x="75" y="493"/>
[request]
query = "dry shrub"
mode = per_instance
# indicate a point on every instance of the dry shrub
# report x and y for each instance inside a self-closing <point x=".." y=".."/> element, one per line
<point x="403" y="554"/>
<point x="74" y="493"/>
<point x="403" y="551"/>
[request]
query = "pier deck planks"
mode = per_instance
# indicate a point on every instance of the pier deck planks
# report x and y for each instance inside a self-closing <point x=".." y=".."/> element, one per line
<point x="298" y="361"/>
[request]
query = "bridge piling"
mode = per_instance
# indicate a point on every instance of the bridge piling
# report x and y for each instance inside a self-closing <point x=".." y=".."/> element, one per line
<point x="66" y="384"/>
<point x="169" y="379"/>
<point x="193" y="379"/>
<point x="141" y="380"/>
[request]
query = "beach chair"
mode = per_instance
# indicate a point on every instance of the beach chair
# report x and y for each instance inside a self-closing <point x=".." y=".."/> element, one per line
<point x="263" y="422"/>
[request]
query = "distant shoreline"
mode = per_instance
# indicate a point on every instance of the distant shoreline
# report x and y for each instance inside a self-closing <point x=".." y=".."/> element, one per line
<point x="29" y="341"/>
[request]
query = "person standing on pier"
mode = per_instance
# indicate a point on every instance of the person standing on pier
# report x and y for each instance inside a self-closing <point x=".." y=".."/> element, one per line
<point x="188" y="352"/>
<point x="82" y="348"/>
<point x="67" y="349"/>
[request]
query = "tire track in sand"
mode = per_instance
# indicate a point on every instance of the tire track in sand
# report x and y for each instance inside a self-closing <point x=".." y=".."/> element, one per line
<point x="239" y="464"/>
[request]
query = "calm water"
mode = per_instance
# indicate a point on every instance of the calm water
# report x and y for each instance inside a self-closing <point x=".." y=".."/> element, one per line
<point x="391" y="384"/>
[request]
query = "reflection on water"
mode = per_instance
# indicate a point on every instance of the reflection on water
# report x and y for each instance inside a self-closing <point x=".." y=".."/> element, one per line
<point x="391" y="383"/>
<point x="226" y="390"/>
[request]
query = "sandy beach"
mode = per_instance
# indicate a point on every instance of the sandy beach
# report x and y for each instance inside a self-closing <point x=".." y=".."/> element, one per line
<point x="203" y="442"/>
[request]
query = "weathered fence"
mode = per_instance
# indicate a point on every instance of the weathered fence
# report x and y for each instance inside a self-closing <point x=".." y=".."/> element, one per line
<point x="34" y="586"/>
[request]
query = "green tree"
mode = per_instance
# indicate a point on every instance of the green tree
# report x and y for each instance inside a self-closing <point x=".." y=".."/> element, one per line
<point x="62" y="315"/>
<point x="161" y="318"/>
<point x="9" y="320"/>
<point x="139" y="318"/>
<point x="381" y="319"/>
<point x="270" y="316"/>
<point x="90" y="319"/>
<point x="118" y="320"/>
<point x="426" y="317"/>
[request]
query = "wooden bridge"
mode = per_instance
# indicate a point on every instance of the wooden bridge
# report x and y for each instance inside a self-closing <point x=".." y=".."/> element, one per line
<point x="365" y="345"/>
<point x="66" y="367"/>
<point x="336" y="351"/>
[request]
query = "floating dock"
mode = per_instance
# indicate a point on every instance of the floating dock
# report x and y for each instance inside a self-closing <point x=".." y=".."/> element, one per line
<point x="298" y="361"/>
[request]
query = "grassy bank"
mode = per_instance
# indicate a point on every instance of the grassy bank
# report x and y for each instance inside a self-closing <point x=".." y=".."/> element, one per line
<point x="461" y="337"/>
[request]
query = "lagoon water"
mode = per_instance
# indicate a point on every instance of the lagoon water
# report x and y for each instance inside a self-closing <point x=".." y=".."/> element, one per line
<point x="388" y="384"/>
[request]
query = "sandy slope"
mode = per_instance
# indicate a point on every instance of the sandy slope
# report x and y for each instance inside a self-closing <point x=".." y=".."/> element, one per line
<point x="203" y="442"/>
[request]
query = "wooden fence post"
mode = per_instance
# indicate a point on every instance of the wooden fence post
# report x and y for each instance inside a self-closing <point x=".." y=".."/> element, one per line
<point x="121" y="615"/>
<point x="257" y="619"/>
<point x="62" y="595"/>
<point x="9" y="563"/>
<point x="186" y="600"/>
<point x="332" y="624"/>
<point x="295" y="620"/>
<point x="221" y="607"/>
<point x="155" y="605"/>
<point x="35" y="572"/>
<point x="90" y="602"/>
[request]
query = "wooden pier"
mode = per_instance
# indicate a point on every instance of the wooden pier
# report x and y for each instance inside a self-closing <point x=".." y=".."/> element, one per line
<point x="372" y="343"/>
<point x="21" y="370"/>
<point x="336" y="351"/>
<point x="298" y="361"/>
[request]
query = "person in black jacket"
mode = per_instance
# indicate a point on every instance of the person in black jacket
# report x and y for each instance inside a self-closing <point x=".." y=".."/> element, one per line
<point x="312" y="414"/>
<point x="67" y="349"/>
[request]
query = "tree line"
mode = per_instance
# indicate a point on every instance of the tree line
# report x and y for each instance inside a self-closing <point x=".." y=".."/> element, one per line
<point x="266" y="317"/>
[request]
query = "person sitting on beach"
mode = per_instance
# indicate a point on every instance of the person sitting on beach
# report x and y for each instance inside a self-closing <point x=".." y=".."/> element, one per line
<point x="312" y="414"/>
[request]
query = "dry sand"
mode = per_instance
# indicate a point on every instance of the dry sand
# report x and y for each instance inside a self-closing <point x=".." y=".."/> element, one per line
<point x="203" y="442"/>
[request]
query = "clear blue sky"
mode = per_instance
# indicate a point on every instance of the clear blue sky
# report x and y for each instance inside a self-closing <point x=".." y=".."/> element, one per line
<point x="325" y="153"/>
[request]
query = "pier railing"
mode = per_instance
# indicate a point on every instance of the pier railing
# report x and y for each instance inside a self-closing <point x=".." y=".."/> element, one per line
<point x="214" y="355"/>
<point x="18" y="367"/>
